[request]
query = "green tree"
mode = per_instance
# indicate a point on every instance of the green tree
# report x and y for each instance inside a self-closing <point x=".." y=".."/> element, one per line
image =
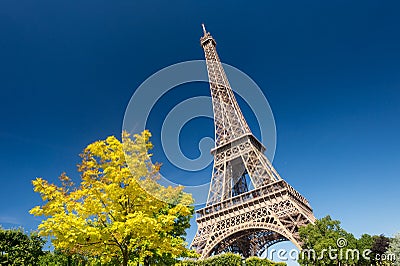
<point x="59" y="258"/>
<point x="394" y="248"/>
<point x="109" y="215"/>
<point x="379" y="248"/>
<point x="326" y="243"/>
<point x="364" y="245"/>
<point x="18" y="248"/>
<point x="53" y="259"/>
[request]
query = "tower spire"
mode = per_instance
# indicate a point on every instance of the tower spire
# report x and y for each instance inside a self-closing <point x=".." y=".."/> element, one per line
<point x="228" y="118"/>
<point x="204" y="29"/>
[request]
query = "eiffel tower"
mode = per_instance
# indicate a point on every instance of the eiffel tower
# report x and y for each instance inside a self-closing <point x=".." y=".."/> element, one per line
<point x="249" y="206"/>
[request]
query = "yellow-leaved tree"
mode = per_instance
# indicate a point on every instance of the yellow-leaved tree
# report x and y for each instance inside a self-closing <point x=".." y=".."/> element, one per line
<point x="110" y="216"/>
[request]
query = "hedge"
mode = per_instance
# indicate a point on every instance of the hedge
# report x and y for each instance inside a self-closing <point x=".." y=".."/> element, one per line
<point x="256" y="261"/>
<point x="230" y="259"/>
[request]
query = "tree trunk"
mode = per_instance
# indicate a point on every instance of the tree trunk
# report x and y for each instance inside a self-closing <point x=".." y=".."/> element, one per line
<point x="146" y="261"/>
<point x="125" y="258"/>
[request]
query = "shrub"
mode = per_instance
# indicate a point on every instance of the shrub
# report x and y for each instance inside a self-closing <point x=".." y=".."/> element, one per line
<point x="231" y="260"/>
<point x="255" y="261"/>
<point x="218" y="260"/>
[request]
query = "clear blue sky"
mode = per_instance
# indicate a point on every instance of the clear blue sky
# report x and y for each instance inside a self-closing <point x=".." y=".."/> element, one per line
<point x="330" y="70"/>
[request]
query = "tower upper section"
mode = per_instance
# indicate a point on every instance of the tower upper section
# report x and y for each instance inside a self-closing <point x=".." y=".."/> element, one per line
<point x="228" y="118"/>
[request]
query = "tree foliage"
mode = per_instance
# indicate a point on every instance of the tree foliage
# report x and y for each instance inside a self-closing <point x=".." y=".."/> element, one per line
<point x="54" y="259"/>
<point x="18" y="248"/>
<point x="110" y="215"/>
<point x="394" y="248"/>
<point x="365" y="243"/>
<point x="379" y="248"/>
<point x="256" y="261"/>
<point x="324" y="235"/>
<point x="223" y="259"/>
<point x="322" y="244"/>
<point x="59" y="258"/>
<point x="231" y="260"/>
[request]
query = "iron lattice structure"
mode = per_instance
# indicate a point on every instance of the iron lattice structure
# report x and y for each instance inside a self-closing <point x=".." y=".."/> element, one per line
<point x="249" y="206"/>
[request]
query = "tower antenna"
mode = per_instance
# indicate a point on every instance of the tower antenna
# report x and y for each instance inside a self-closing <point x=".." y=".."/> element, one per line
<point x="204" y="28"/>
